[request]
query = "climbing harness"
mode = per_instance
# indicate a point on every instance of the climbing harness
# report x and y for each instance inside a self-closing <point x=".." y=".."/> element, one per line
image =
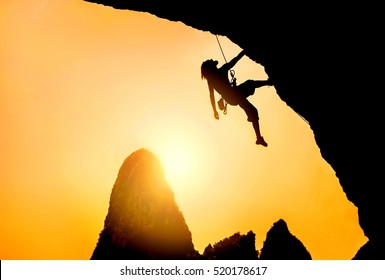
<point x="222" y="104"/>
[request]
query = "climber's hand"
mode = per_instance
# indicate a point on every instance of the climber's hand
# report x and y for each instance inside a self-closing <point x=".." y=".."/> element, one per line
<point x="216" y="115"/>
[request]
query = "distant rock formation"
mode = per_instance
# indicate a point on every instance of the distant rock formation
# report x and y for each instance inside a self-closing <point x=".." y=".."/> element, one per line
<point x="143" y="220"/>
<point x="280" y="244"/>
<point x="235" y="247"/>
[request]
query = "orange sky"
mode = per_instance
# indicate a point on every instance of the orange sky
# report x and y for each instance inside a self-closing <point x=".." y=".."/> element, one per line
<point x="82" y="86"/>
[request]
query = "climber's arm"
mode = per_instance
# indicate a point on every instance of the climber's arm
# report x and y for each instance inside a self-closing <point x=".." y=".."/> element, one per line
<point x="232" y="62"/>
<point x="213" y="103"/>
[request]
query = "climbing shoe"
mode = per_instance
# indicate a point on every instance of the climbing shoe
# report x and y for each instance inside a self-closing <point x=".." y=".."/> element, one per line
<point x="261" y="141"/>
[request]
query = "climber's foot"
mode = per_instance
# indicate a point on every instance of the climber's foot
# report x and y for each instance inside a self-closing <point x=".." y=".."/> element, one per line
<point x="261" y="141"/>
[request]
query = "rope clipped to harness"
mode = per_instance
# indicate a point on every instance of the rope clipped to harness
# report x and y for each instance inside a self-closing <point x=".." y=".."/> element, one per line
<point x="222" y="104"/>
<point x="233" y="83"/>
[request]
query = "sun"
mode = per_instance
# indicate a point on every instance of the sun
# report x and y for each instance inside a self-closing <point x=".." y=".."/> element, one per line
<point x="186" y="165"/>
<point x="178" y="162"/>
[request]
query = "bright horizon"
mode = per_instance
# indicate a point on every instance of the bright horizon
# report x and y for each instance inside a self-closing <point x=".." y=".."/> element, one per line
<point x="83" y="86"/>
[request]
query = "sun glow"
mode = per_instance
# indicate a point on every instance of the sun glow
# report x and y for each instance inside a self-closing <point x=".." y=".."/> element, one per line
<point x="178" y="163"/>
<point x="187" y="163"/>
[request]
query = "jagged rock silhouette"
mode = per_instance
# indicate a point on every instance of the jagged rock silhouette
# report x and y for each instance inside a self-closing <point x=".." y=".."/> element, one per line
<point x="236" y="247"/>
<point x="143" y="220"/>
<point x="280" y="244"/>
<point x="323" y="61"/>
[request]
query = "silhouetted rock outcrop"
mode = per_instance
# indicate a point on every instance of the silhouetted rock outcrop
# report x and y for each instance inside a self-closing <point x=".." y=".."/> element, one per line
<point x="280" y="244"/>
<point x="324" y="63"/>
<point x="143" y="220"/>
<point x="235" y="247"/>
<point x="370" y="251"/>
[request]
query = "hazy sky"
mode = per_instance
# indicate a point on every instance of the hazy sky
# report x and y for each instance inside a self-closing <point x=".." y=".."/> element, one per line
<point x="82" y="86"/>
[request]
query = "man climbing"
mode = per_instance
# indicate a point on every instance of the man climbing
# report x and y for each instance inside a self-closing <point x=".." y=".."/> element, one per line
<point x="217" y="79"/>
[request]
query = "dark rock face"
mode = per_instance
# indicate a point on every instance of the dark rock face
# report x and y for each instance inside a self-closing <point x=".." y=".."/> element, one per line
<point x="236" y="247"/>
<point x="280" y="244"/>
<point x="143" y="220"/>
<point x="323" y="60"/>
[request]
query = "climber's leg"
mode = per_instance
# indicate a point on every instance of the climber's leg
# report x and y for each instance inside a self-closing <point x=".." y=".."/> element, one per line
<point x="253" y="117"/>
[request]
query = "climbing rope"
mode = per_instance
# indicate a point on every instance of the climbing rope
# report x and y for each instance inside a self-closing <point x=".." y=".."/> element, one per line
<point x="219" y="43"/>
<point x="301" y="117"/>
<point x="232" y="72"/>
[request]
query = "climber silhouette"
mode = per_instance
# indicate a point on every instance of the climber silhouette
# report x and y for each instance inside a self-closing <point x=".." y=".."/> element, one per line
<point x="217" y="79"/>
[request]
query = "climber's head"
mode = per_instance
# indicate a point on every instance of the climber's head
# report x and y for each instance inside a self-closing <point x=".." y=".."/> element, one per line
<point x="207" y="67"/>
